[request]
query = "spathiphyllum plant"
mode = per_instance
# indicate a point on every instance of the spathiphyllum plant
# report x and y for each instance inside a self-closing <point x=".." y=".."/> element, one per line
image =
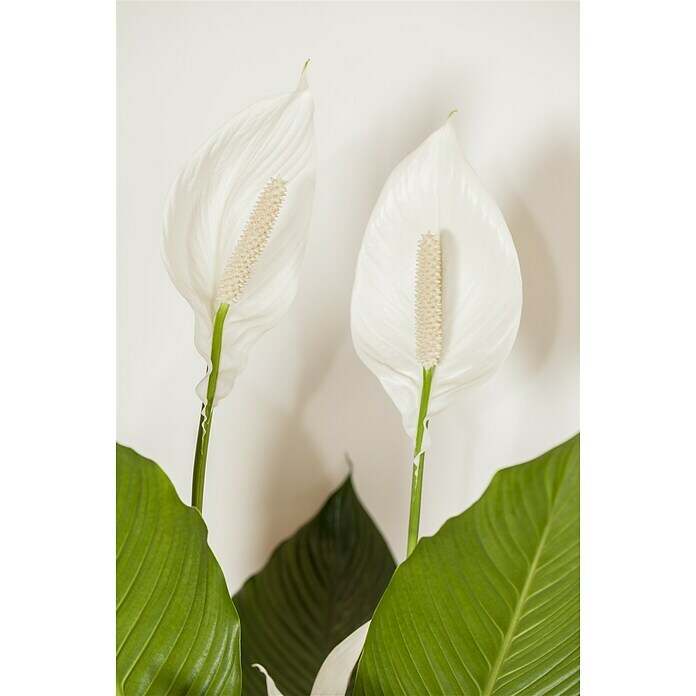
<point x="487" y="606"/>
<point x="438" y="293"/>
<point x="233" y="238"/>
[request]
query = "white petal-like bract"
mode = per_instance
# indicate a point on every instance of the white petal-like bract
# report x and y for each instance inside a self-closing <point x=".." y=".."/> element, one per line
<point x="271" y="687"/>
<point x="211" y="208"/>
<point x="334" y="673"/>
<point x="434" y="191"/>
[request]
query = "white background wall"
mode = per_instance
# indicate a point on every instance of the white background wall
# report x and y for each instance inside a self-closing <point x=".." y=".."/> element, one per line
<point x="383" y="76"/>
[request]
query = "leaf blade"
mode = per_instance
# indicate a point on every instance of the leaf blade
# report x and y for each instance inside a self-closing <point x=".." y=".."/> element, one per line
<point x="490" y="604"/>
<point x="177" y="629"/>
<point x="318" y="587"/>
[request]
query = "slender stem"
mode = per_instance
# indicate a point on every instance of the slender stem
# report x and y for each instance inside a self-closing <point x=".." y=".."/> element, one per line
<point x="201" y="456"/>
<point x="417" y="478"/>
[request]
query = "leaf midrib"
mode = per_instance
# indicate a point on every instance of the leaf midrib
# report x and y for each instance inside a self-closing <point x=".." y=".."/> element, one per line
<point x="521" y="601"/>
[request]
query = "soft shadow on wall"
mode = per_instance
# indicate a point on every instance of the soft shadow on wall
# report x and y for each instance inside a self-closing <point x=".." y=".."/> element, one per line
<point x="544" y="221"/>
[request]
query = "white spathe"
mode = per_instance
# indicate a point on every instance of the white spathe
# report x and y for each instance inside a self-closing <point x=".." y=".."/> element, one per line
<point x="334" y="673"/>
<point x="271" y="687"/>
<point x="435" y="190"/>
<point x="209" y="204"/>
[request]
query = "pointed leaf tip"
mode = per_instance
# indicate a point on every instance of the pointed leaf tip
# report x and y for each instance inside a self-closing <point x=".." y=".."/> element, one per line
<point x="349" y="464"/>
<point x="342" y="566"/>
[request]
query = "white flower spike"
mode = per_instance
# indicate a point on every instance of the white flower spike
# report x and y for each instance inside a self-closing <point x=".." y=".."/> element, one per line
<point x="236" y="223"/>
<point x="437" y="297"/>
<point x="234" y="232"/>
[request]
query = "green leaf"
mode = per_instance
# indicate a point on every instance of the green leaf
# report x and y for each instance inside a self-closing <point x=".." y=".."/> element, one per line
<point x="317" y="588"/>
<point x="177" y="631"/>
<point x="490" y="604"/>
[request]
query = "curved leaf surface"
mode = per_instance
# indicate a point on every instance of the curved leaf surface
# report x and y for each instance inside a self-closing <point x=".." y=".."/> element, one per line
<point x="490" y="604"/>
<point x="177" y="631"/>
<point x="318" y="587"/>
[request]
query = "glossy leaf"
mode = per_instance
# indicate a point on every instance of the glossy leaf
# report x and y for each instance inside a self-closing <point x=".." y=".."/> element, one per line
<point x="490" y="604"/>
<point x="318" y="587"/>
<point x="177" y="631"/>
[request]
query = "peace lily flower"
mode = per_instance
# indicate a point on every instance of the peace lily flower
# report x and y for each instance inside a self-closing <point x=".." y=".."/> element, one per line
<point x="334" y="674"/>
<point x="233" y="238"/>
<point x="438" y="293"/>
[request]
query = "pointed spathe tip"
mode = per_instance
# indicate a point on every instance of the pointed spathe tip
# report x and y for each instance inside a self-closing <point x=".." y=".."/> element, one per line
<point x="302" y="84"/>
<point x="451" y="113"/>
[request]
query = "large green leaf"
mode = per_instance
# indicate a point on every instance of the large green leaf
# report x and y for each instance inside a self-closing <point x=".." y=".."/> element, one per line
<point x="177" y="631"/>
<point x="490" y="604"/>
<point x="316" y="589"/>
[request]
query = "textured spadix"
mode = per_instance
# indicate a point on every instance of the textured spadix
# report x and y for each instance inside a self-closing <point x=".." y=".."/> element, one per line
<point x="434" y="201"/>
<point x="249" y="247"/>
<point x="428" y="300"/>
<point x="236" y="223"/>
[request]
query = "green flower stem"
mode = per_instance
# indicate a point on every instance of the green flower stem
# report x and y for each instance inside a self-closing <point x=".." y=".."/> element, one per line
<point x="417" y="478"/>
<point x="201" y="457"/>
